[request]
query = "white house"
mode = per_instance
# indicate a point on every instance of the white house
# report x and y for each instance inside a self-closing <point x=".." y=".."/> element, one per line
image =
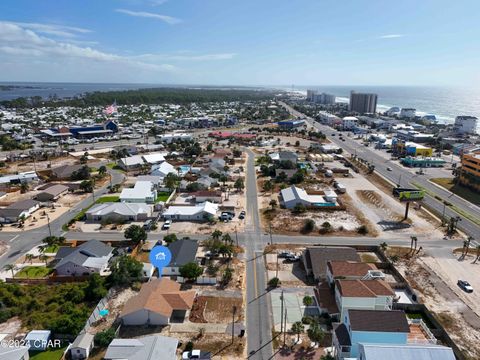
<point x="142" y="192"/>
<point x="150" y="347"/>
<point x="131" y="163"/>
<point x="37" y="339"/>
<point x="408" y="113"/>
<point x="293" y="196"/>
<point x="18" y="210"/>
<point x="163" y="169"/>
<point x="191" y="213"/>
<point x="363" y="295"/>
<point x="119" y="211"/>
<point x="82" y="346"/>
<point x="154" y="158"/>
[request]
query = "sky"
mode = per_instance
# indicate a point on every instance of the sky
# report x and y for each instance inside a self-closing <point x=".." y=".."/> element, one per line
<point x="241" y="42"/>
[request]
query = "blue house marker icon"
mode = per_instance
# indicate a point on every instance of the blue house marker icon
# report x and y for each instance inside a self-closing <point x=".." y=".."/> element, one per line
<point x="160" y="256"/>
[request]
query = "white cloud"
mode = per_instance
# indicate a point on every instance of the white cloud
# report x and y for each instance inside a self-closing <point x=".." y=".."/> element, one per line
<point x="391" y="36"/>
<point x="19" y="41"/>
<point x="187" y="56"/>
<point x="52" y="29"/>
<point x="165" y="18"/>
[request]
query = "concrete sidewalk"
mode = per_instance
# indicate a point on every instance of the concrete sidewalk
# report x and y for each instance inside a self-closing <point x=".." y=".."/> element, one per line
<point x="189" y="327"/>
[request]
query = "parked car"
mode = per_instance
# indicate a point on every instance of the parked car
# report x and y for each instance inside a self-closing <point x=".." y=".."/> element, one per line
<point x="389" y="168"/>
<point x="285" y="254"/>
<point x="147" y="224"/>
<point x="195" y="354"/>
<point x="167" y="224"/>
<point x="292" y="257"/>
<point x="465" y="286"/>
<point x="226" y="216"/>
<point x="242" y="215"/>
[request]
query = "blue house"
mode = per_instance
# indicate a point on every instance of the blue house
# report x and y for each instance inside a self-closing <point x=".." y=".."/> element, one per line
<point x="369" y="327"/>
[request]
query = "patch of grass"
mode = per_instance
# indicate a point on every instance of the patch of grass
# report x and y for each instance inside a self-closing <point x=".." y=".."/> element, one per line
<point x="457" y="189"/>
<point x="33" y="272"/>
<point x="368" y="258"/>
<point x="50" y="354"/>
<point x="105" y="199"/>
<point x="51" y="249"/>
<point x="162" y="196"/>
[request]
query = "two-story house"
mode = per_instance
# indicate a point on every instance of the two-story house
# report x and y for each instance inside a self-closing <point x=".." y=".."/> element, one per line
<point x="363" y="295"/>
<point x="369" y="327"/>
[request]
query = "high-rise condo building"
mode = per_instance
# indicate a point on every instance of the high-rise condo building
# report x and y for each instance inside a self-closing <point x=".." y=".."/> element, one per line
<point x="362" y="103"/>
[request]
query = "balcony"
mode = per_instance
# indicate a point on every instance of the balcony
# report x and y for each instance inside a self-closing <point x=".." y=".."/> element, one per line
<point x="420" y="333"/>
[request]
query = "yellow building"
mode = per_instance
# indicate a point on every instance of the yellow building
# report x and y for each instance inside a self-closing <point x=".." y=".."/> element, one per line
<point x="470" y="172"/>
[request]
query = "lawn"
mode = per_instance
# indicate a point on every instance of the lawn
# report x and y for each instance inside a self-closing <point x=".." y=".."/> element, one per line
<point x="54" y="354"/>
<point x="33" y="272"/>
<point x="163" y="196"/>
<point x="459" y="190"/>
<point x="105" y="199"/>
<point x="51" y="249"/>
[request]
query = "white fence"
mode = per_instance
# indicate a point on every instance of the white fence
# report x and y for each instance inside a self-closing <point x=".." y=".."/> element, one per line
<point x="202" y="280"/>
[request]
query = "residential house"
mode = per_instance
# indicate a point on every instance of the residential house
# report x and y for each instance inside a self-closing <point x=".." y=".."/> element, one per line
<point x="65" y="172"/>
<point x="150" y="347"/>
<point x="198" y="212"/>
<point x="131" y="163"/>
<point x="37" y="339"/>
<point x="14" y="353"/>
<point x="163" y="169"/>
<point x="24" y="177"/>
<point x="369" y="327"/>
<point x="52" y="193"/>
<point x="154" y="158"/>
<point x="18" y="210"/>
<point x="403" y="352"/>
<point x="293" y="196"/>
<point x="363" y="294"/>
<point x="142" y="192"/>
<point x="119" y="212"/>
<point x="82" y="346"/>
<point x="183" y="251"/>
<point x="284" y="156"/>
<point x="158" y="303"/>
<point x="91" y="257"/>
<point x="315" y="259"/>
<point x="347" y="270"/>
<point x="207" y="182"/>
<point x="212" y="196"/>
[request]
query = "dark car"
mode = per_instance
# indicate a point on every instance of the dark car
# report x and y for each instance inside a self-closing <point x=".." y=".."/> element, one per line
<point x="465" y="286"/>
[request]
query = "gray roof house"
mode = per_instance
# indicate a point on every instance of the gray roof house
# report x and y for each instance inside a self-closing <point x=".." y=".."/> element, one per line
<point x="82" y="346"/>
<point x="151" y="347"/>
<point x="14" y="353"/>
<point x="15" y="211"/>
<point x="52" y="193"/>
<point x="183" y="252"/>
<point x="119" y="212"/>
<point x="315" y="259"/>
<point x="405" y="351"/>
<point x="284" y="156"/>
<point x="65" y="171"/>
<point x="91" y="257"/>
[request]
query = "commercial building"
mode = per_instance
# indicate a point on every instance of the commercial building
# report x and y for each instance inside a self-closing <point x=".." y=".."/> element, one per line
<point x="363" y="103"/>
<point x="466" y="124"/>
<point x="422" y="162"/>
<point x="349" y="122"/>
<point x="291" y="124"/>
<point x="470" y="171"/>
<point x="329" y="119"/>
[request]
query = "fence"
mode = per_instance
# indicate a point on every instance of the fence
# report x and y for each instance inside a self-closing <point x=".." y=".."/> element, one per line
<point x="202" y="280"/>
<point x="95" y="315"/>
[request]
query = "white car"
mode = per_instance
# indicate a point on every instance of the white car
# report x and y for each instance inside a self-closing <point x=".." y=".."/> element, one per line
<point x="167" y="224"/>
<point x="194" y="354"/>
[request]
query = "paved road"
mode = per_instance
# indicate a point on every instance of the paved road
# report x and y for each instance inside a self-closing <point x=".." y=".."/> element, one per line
<point x="259" y="328"/>
<point x="398" y="175"/>
<point x="21" y="242"/>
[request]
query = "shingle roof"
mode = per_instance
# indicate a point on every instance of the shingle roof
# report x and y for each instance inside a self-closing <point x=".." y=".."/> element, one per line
<point x="18" y="207"/>
<point x="55" y="189"/>
<point x="378" y="320"/>
<point x="65" y="171"/>
<point x="349" y="268"/>
<point x="364" y="288"/>
<point x="80" y="254"/>
<point x="183" y="252"/>
<point x="162" y="296"/>
<point x="317" y="257"/>
<point x="342" y="335"/>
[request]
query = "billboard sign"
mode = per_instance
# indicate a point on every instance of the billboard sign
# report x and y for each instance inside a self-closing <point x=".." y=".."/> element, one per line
<point x="415" y="195"/>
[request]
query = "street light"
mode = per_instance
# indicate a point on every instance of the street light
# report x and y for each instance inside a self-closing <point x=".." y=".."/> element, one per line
<point x="48" y="223"/>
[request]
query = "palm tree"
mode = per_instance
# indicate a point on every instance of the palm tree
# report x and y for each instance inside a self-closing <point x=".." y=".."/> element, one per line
<point x="467" y="245"/>
<point x="298" y="328"/>
<point x="29" y="257"/>
<point x="478" y="254"/>
<point x="44" y="258"/>
<point x="315" y="333"/>
<point x="216" y="234"/>
<point x="12" y="268"/>
<point x="383" y="246"/>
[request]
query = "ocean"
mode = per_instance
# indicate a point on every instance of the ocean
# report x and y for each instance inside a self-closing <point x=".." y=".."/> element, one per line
<point x="443" y="102"/>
